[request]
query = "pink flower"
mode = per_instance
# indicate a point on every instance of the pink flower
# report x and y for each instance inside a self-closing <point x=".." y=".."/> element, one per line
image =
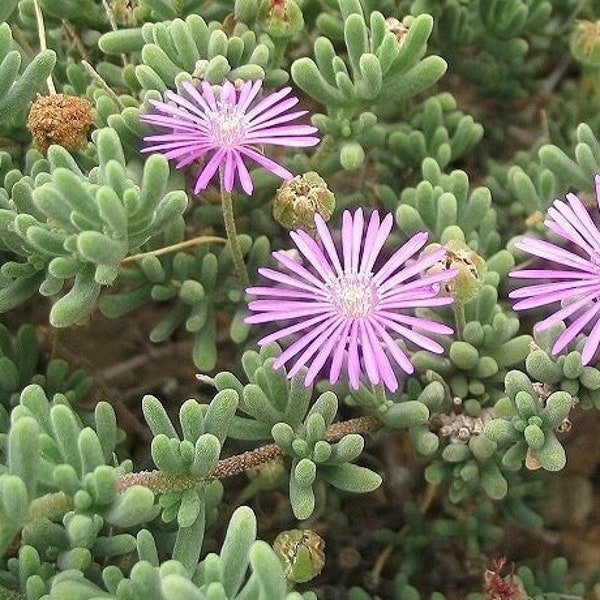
<point x="346" y="307"/>
<point x="224" y="128"/>
<point x="575" y="283"/>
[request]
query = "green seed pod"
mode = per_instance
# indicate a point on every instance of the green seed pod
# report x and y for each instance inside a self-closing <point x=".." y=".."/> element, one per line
<point x="298" y="200"/>
<point x="301" y="552"/>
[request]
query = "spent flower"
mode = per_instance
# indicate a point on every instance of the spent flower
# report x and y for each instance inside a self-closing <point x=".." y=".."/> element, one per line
<point x="226" y="127"/>
<point x="574" y="282"/>
<point x="347" y="307"/>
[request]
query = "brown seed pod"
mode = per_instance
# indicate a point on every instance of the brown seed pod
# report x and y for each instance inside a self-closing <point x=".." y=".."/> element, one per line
<point x="60" y="119"/>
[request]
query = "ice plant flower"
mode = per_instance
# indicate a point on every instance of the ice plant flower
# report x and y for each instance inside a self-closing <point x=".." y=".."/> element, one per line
<point x="348" y="307"/>
<point x="574" y="282"/>
<point x="225" y="128"/>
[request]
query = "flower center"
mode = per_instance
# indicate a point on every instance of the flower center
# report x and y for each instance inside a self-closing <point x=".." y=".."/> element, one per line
<point x="228" y="125"/>
<point x="354" y="295"/>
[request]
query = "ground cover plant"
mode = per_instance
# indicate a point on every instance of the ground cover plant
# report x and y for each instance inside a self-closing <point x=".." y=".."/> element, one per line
<point x="300" y="299"/>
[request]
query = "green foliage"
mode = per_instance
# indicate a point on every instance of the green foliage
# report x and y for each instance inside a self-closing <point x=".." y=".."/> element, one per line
<point x="179" y="50"/>
<point x="551" y="582"/>
<point x="507" y="56"/>
<point x="473" y="158"/>
<point x="378" y="68"/>
<point x="282" y="407"/>
<point x="64" y="225"/>
<point x="442" y="204"/>
<point x="528" y="420"/>
<point x="196" y="285"/>
<point x="437" y="130"/>
<point x="475" y="366"/>
<point x="565" y="372"/>
<point x="18" y="86"/>
<point x="19" y="364"/>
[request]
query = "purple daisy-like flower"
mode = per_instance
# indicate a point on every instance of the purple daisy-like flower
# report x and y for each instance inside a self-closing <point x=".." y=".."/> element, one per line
<point x="226" y="128"/>
<point x="346" y="308"/>
<point x="575" y="283"/>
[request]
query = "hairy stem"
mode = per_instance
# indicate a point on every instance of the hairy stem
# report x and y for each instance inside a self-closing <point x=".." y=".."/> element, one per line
<point x="459" y="318"/>
<point x="55" y="504"/>
<point x="234" y="244"/>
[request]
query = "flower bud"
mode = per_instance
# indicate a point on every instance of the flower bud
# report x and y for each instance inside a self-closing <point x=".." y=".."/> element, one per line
<point x="281" y="18"/>
<point x="301" y="552"/>
<point x="585" y="43"/>
<point x="299" y="199"/>
<point x="60" y="119"/>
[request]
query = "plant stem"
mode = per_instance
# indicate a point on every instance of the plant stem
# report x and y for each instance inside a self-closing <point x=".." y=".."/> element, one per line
<point x="100" y="81"/>
<point x="459" y="318"/>
<point x="43" y="46"/>
<point x="379" y="395"/>
<point x="55" y="504"/>
<point x="234" y="243"/>
<point x="203" y="239"/>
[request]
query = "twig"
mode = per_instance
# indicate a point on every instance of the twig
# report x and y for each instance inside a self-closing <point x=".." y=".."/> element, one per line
<point x="39" y="17"/>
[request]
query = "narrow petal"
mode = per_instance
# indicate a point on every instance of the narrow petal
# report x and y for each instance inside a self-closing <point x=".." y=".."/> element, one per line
<point x="386" y="372"/>
<point x="591" y="345"/>
<point x="396" y="352"/>
<point x="412" y="336"/>
<point x="312" y="253"/>
<point x="549" y="251"/>
<point x="575" y="328"/>
<point x="243" y="174"/>
<point x="353" y="358"/>
<point x="560" y="315"/>
<point x="209" y="170"/>
<point x="400" y="256"/>
<point x="328" y="244"/>
<point x="340" y="353"/>
<point x="368" y="354"/>
<point x="265" y="162"/>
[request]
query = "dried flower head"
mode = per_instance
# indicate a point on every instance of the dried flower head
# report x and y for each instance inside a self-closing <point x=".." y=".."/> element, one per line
<point x="501" y="587"/>
<point x="281" y="18"/>
<point x="298" y="200"/>
<point x="347" y="307"/>
<point x="301" y="552"/>
<point x="60" y="119"/>
<point x="575" y="283"/>
<point x="585" y="43"/>
<point x="223" y="127"/>
<point x="470" y="270"/>
<point x="398" y="28"/>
